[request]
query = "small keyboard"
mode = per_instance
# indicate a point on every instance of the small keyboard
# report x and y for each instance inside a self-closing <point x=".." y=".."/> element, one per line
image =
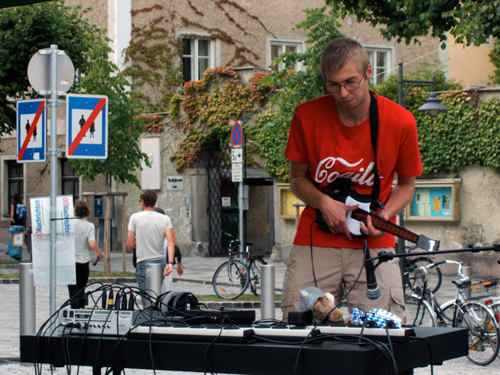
<point x="245" y="334"/>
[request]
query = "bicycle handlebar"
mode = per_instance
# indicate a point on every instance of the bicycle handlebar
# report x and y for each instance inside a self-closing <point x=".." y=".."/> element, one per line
<point x="459" y="267"/>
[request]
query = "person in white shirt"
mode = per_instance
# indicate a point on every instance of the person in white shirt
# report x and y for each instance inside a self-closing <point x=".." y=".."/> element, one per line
<point x="84" y="241"/>
<point x="147" y="232"/>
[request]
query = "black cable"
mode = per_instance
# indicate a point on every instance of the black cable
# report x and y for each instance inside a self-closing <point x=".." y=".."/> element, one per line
<point x="430" y="351"/>
<point x="65" y="359"/>
<point x="312" y="260"/>
<point x="151" y="345"/>
<point x="101" y="337"/>
<point x="390" y="347"/>
<point x="366" y="341"/>
<point x="205" y="355"/>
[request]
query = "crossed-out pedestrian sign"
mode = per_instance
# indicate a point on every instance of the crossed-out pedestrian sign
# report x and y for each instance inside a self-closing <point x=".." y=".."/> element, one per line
<point x="86" y="127"/>
<point x="31" y="130"/>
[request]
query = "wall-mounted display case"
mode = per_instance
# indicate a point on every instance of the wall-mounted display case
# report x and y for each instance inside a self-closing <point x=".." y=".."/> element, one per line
<point x="287" y="209"/>
<point x="435" y="200"/>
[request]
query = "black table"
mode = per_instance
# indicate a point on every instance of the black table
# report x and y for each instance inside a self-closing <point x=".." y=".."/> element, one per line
<point x="245" y="358"/>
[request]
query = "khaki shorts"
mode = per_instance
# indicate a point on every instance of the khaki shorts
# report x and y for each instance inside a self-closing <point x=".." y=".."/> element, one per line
<point x="336" y="270"/>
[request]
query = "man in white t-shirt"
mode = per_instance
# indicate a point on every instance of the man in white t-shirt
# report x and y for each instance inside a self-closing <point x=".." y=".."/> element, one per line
<point x="147" y="232"/>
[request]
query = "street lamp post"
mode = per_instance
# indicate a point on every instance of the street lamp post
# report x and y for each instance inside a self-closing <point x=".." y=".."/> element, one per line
<point x="433" y="106"/>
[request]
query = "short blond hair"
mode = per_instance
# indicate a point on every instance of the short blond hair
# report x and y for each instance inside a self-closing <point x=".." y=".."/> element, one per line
<point x="341" y="50"/>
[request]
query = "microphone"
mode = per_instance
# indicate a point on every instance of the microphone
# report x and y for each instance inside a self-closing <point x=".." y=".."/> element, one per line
<point x="372" y="289"/>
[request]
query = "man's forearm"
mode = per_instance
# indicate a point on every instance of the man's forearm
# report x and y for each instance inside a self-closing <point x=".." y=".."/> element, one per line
<point x="399" y="198"/>
<point x="306" y="191"/>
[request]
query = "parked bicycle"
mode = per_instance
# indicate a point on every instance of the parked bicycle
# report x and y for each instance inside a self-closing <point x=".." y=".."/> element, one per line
<point x="232" y="278"/>
<point x="465" y="311"/>
<point x="412" y="279"/>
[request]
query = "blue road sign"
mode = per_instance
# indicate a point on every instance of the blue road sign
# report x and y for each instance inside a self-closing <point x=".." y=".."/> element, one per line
<point x="86" y="127"/>
<point x="31" y="131"/>
<point x="99" y="207"/>
<point x="237" y="134"/>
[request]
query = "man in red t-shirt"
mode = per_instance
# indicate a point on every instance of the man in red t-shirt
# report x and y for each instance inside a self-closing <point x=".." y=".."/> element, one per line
<point x="329" y="139"/>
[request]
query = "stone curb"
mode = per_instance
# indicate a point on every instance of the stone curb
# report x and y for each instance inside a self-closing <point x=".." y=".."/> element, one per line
<point x="208" y="304"/>
<point x="123" y="280"/>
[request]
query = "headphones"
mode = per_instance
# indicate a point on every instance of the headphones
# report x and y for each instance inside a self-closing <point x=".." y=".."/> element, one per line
<point x="172" y="302"/>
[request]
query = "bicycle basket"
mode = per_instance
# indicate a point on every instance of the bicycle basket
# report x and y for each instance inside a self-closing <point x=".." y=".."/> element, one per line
<point x="483" y="289"/>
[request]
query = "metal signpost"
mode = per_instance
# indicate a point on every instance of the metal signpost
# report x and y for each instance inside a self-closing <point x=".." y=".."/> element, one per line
<point x="237" y="175"/>
<point x="42" y="65"/>
<point x="31" y="131"/>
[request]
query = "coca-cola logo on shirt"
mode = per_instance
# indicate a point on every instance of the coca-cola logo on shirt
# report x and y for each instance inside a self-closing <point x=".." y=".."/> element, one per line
<point x="327" y="171"/>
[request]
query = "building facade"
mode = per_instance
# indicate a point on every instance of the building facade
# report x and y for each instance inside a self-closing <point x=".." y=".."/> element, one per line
<point x="244" y="34"/>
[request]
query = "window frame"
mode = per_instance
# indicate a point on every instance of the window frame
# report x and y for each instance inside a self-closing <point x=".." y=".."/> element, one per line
<point x="391" y="59"/>
<point x="299" y="42"/>
<point x="214" y="50"/>
<point x="6" y="193"/>
<point x="72" y="178"/>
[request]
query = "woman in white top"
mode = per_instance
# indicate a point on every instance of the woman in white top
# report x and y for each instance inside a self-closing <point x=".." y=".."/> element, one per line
<point x="84" y="241"/>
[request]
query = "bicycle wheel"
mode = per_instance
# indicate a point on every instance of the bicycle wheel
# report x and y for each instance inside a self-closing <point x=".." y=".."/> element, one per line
<point x="231" y="279"/>
<point x="483" y="332"/>
<point x="495" y="308"/>
<point x="255" y="275"/>
<point x="418" y="313"/>
<point x="414" y="278"/>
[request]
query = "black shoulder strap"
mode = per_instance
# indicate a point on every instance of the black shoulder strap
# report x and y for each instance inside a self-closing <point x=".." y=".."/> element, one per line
<point x="374" y="136"/>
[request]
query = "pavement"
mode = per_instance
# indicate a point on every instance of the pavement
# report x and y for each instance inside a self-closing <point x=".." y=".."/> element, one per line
<point x="196" y="279"/>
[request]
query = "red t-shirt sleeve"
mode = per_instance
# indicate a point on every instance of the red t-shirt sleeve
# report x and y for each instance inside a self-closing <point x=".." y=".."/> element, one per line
<point x="295" y="148"/>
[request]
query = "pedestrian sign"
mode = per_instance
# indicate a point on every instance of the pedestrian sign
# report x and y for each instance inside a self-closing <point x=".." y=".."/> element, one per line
<point x="86" y="127"/>
<point x="31" y="131"/>
<point x="237" y="134"/>
<point x="236" y="156"/>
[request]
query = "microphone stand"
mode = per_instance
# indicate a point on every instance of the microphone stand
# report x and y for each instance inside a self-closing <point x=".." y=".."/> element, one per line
<point x="385" y="256"/>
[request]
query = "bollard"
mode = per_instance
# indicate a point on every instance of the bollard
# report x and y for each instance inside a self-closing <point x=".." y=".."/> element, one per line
<point x="27" y="307"/>
<point x="466" y="270"/>
<point x="267" y="296"/>
<point x="153" y="280"/>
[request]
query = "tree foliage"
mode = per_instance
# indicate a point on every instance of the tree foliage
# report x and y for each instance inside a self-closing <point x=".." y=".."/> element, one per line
<point x="295" y="88"/>
<point x="301" y="86"/>
<point x="27" y="29"/>
<point x="467" y="134"/>
<point x="469" y="21"/>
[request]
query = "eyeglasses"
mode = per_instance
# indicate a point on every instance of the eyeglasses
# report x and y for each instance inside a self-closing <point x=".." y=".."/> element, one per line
<point x="349" y="86"/>
<point x="140" y="200"/>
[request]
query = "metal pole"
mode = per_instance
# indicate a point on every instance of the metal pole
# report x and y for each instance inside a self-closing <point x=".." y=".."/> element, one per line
<point x="53" y="174"/>
<point x="400" y="84"/>
<point x="124" y="233"/>
<point x="401" y="242"/>
<point x="107" y="236"/>
<point x="267" y="297"/>
<point x="240" y="219"/>
<point x="27" y="306"/>
<point x="153" y="280"/>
